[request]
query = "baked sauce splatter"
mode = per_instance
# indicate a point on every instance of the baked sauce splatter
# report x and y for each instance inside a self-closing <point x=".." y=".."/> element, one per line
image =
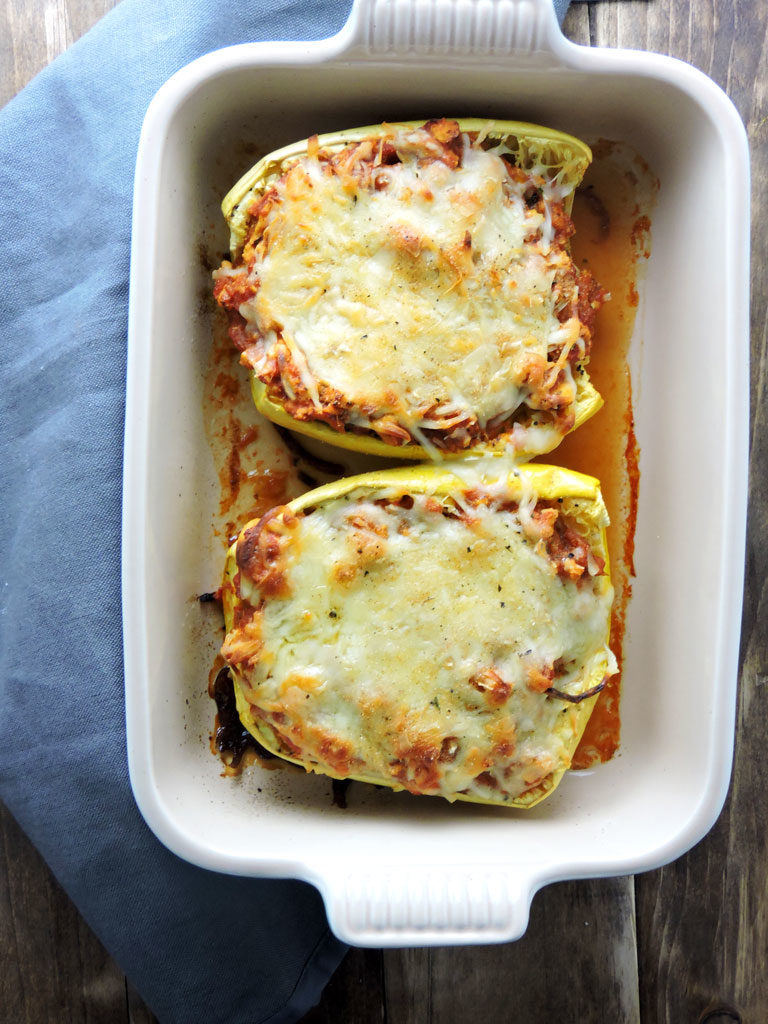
<point x="230" y="740"/>
<point x="254" y="466"/>
<point x="611" y="215"/>
<point x="339" y="789"/>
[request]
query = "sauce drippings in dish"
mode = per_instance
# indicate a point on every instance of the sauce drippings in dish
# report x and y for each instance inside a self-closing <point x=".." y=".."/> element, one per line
<point x="259" y="467"/>
<point x="611" y="214"/>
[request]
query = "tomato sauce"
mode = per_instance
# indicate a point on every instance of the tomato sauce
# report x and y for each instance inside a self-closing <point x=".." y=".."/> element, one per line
<point x="612" y="240"/>
<point x="255" y="468"/>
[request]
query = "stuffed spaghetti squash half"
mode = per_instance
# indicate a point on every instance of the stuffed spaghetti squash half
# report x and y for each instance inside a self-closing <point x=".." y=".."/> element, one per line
<point x="408" y="288"/>
<point x="429" y="630"/>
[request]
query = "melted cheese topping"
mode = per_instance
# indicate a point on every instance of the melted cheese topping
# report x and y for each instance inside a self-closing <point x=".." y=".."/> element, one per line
<point x="407" y="646"/>
<point x="425" y="289"/>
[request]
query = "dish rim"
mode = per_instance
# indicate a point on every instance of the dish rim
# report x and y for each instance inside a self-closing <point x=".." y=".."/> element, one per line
<point x="343" y="900"/>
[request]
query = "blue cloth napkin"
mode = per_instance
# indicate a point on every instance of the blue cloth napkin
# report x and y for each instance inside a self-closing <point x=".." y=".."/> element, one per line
<point x="198" y="946"/>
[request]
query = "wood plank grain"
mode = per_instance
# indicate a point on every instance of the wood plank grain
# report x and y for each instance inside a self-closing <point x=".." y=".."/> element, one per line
<point x="138" y="1011"/>
<point x="34" y="32"/>
<point x="592" y="978"/>
<point x="703" y="920"/>
<point x="577" y="962"/>
<point x="53" y="967"/>
<point x="354" y="993"/>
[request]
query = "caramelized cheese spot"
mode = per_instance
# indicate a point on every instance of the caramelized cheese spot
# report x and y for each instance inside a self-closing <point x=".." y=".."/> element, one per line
<point x="365" y="544"/>
<point x="492" y="686"/>
<point x="260" y="551"/>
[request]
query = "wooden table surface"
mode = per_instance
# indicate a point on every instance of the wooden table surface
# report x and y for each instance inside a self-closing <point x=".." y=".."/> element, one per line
<point x="687" y="944"/>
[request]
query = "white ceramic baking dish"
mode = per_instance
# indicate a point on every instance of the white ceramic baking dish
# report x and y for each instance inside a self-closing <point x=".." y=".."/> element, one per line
<point x="394" y="869"/>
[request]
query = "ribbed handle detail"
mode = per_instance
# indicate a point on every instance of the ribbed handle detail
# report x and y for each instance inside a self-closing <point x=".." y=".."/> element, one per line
<point x="423" y="907"/>
<point x="488" y="28"/>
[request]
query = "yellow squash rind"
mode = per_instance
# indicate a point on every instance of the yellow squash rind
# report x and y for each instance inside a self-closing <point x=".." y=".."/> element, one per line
<point x="588" y="402"/>
<point x="548" y="483"/>
<point x="531" y="144"/>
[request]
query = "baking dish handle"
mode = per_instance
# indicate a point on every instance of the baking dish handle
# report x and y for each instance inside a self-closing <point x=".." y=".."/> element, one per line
<point x="438" y="28"/>
<point x="427" y="906"/>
